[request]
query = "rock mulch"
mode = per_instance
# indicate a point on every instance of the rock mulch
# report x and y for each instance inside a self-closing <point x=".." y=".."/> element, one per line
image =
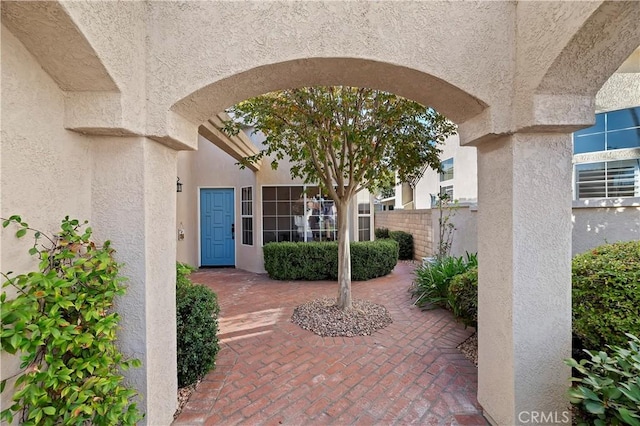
<point x="322" y="317"/>
<point x="183" y="397"/>
<point x="469" y="348"/>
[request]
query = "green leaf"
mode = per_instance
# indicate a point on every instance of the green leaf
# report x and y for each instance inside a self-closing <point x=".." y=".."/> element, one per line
<point x="21" y="233"/>
<point x="628" y="417"/>
<point x="594" y="407"/>
<point x="49" y="411"/>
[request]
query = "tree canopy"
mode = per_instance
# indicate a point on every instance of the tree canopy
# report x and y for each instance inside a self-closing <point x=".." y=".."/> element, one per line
<point x="345" y="138"/>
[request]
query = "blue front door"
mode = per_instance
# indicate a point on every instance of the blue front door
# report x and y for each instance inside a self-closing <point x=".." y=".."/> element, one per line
<point x="217" y="239"/>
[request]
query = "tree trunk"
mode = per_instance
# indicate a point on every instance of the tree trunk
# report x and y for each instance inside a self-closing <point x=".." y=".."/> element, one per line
<point x="344" y="257"/>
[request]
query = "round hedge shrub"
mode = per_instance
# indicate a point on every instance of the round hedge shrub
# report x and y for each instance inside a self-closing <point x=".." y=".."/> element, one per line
<point x="314" y="261"/>
<point x="606" y="294"/>
<point x="405" y="240"/>
<point x="463" y="292"/>
<point x="197" y="328"/>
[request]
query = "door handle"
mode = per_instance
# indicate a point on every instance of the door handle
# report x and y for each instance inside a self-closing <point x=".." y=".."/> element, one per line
<point x="233" y="231"/>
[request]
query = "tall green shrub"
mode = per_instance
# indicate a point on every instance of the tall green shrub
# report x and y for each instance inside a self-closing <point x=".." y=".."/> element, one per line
<point x="319" y="260"/>
<point x="463" y="296"/>
<point x="405" y="241"/>
<point x="197" y="328"/>
<point x="606" y="294"/>
<point x="381" y="233"/>
<point x="64" y="328"/>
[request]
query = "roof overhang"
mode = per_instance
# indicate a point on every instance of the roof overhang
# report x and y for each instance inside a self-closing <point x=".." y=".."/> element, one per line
<point x="239" y="146"/>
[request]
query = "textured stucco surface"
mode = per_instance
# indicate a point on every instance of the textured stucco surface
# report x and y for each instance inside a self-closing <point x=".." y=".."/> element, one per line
<point x="360" y="43"/>
<point x="133" y="202"/>
<point x="33" y="183"/>
<point x="524" y="248"/>
<point x="159" y="69"/>
<point x="593" y="226"/>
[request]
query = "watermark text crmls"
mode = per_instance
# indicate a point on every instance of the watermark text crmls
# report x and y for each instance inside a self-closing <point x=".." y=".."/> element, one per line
<point x="544" y="417"/>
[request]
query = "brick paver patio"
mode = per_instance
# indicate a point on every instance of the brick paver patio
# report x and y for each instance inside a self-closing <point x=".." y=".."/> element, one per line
<point x="270" y="371"/>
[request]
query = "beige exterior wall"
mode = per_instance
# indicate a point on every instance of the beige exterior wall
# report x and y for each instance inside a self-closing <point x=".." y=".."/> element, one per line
<point x="46" y="170"/>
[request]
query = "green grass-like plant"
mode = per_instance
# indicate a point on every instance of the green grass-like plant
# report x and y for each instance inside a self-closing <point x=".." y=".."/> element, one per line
<point x="431" y="286"/>
<point x="197" y="312"/>
<point x="62" y="325"/>
<point x="319" y="260"/>
<point x="608" y="389"/>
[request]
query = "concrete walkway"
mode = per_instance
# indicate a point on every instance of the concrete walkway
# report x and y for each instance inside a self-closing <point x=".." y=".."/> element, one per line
<point x="269" y="371"/>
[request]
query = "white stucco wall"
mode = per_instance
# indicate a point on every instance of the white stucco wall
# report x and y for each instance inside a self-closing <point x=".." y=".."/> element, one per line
<point x="597" y="222"/>
<point x="465" y="170"/>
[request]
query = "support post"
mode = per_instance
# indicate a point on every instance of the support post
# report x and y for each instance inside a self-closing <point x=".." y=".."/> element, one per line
<point x="524" y="250"/>
<point x="134" y="205"/>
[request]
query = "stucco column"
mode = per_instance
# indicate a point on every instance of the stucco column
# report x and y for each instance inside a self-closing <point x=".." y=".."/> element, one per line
<point x="134" y="205"/>
<point x="524" y="248"/>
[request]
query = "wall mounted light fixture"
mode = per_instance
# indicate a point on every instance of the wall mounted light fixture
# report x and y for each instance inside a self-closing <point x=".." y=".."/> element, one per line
<point x="179" y="185"/>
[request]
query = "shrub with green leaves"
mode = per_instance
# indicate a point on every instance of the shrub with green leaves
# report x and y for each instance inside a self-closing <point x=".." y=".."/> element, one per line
<point x="405" y="241"/>
<point x="197" y="327"/>
<point x="381" y="233"/>
<point x="319" y="260"/>
<point x="62" y="325"/>
<point x="606" y="294"/>
<point x="431" y="286"/>
<point x="608" y="389"/>
<point x="463" y="297"/>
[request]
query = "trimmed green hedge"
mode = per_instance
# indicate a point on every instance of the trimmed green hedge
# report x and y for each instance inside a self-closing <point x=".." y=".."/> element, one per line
<point x="606" y="294"/>
<point x="319" y="260"/>
<point x="405" y="240"/>
<point x="197" y="327"/>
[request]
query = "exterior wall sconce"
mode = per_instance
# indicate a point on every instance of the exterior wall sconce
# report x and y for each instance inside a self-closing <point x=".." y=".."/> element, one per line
<point x="179" y="185"/>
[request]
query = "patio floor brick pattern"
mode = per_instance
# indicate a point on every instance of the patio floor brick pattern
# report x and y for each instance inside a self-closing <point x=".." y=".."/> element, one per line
<point x="269" y="371"/>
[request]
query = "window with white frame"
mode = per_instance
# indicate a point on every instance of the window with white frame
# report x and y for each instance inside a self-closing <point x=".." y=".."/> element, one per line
<point x="446" y="177"/>
<point x="608" y="179"/>
<point x="364" y="215"/>
<point x="297" y="213"/>
<point x="446" y="172"/>
<point x="446" y="190"/>
<point x="247" y="215"/>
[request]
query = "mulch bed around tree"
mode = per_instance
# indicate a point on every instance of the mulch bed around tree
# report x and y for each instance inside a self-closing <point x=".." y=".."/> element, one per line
<point x="324" y="318"/>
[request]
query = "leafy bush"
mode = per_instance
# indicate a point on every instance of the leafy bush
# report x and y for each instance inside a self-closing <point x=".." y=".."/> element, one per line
<point x="381" y="233"/>
<point x="463" y="296"/>
<point x="63" y="326"/>
<point x="197" y="328"/>
<point x="608" y="391"/>
<point x="319" y="260"/>
<point x="606" y="294"/>
<point x="405" y="241"/>
<point x="431" y="286"/>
